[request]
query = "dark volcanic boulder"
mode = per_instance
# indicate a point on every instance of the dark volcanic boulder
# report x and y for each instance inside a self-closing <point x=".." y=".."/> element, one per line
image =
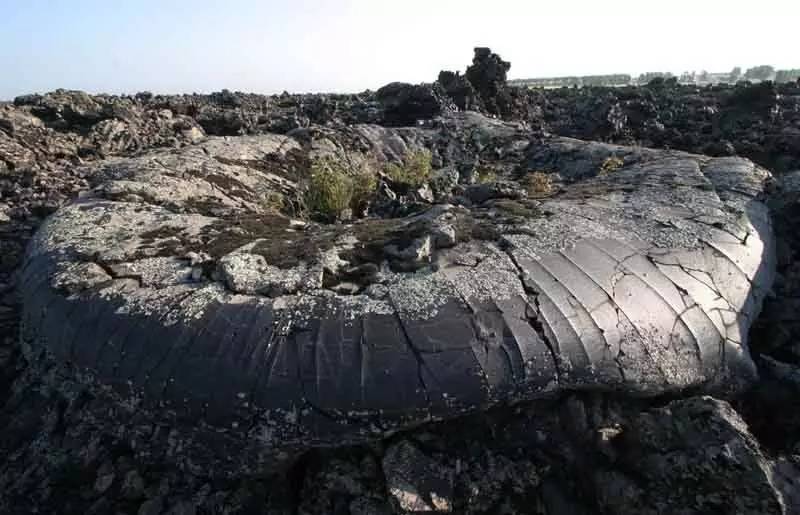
<point x="759" y="121"/>
<point x="694" y="455"/>
<point x="488" y="74"/>
<point x="63" y="108"/>
<point x="758" y="98"/>
<point x="711" y="464"/>
<point x="25" y="140"/>
<point x="484" y="89"/>
<point x="175" y="294"/>
<point x="72" y="125"/>
<point x="404" y="104"/>
<point x="460" y="89"/>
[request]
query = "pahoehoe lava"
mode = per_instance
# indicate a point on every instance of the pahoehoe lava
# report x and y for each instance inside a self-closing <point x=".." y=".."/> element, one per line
<point x="174" y="289"/>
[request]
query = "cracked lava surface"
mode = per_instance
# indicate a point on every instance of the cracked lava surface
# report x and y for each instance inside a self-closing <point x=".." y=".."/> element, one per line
<point x="174" y="290"/>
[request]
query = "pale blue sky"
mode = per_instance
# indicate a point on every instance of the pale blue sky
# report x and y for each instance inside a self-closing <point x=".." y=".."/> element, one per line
<point x="350" y="45"/>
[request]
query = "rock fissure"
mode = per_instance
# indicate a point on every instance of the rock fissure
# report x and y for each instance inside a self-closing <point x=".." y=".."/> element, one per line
<point x="533" y="318"/>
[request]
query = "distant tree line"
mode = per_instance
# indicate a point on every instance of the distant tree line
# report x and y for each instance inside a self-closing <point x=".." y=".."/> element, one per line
<point x="763" y="72"/>
<point x="754" y="74"/>
<point x="617" y="79"/>
<point x="787" y="75"/>
<point x="644" y="78"/>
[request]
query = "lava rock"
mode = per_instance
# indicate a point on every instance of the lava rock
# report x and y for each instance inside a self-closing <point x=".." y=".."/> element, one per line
<point x="460" y="89"/>
<point x="488" y="75"/>
<point x="695" y="456"/>
<point x="417" y="483"/>
<point x="405" y="104"/>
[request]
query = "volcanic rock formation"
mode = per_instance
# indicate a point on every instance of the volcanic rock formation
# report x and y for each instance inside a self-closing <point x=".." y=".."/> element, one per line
<point x="173" y="284"/>
<point x="375" y="303"/>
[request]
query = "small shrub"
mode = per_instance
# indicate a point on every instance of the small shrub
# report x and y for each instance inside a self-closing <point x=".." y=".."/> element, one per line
<point x="538" y="184"/>
<point x="364" y="185"/>
<point x="273" y="202"/>
<point x="330" y="189"/>
<point x="413" y="172"/>
<point x="611" y="165"/>
<point x="334" y="187"/>
<point x="485" y="175"/>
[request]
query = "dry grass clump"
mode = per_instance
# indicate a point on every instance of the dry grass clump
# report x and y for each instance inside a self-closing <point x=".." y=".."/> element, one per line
<point x="365" y="183"/>
<point x="485" y="175"/>
<point x="538" y="184"/>
<point x="611" y="165"/>
<point x="273" y="202"/>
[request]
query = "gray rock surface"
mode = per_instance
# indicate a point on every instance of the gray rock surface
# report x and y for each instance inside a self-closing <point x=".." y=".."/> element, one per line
<point x="694" y="456"/>
<point x="642" y="281"/>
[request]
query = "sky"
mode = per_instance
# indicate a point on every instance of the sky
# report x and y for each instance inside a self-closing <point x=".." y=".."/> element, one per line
<point x="270" y="46"/>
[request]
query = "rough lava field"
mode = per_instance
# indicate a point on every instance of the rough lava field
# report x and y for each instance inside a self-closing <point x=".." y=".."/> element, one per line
<point x="455" y="297"/>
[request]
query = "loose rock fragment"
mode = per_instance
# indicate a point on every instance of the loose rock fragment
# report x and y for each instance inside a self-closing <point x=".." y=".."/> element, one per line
<point x="416" y="482"/>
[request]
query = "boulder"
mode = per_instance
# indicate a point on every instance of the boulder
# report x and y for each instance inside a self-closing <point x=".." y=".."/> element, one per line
<point x="404" y="104"/>
<point x="460" y="89"/>
<point x="416" y="483"/>
<point x="695" y="456"/>
<point x="642" y="278"/>
<point x="488" y="75"/>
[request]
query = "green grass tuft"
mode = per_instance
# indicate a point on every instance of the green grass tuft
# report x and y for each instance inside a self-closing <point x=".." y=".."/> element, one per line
<point x="413" y="172"/>
<point x="330" y="189"/>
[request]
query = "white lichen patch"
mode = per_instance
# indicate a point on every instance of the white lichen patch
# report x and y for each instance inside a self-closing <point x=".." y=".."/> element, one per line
<point x="112" y="231"/>
<point x="77" y="277"/>
<point x="494" y="277"/>
<point x="353" y="307"/>
<point x="249" y="273"/>
<point x="155" y="272"/>
<point x="421" y="295"/>
<point x="170" y="305"/>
